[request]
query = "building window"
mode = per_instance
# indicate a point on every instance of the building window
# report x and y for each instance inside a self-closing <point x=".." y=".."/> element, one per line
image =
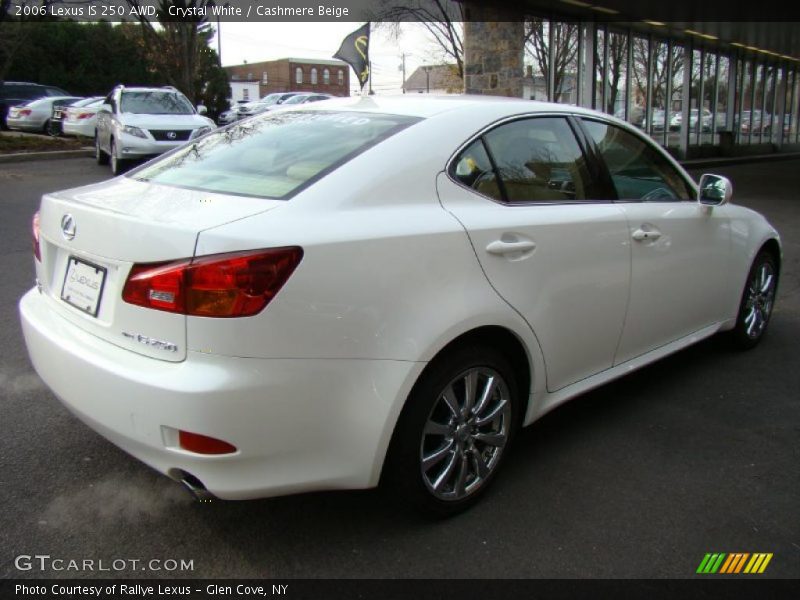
<point x="326" y="77"/>
<point x="265" y="77"/>
<point x="298" y="75"/>
<point x="245" y="94"/>
<point x="250" y="77"/>
<point x="340" y="76"/>
<point x="313" y="77"/>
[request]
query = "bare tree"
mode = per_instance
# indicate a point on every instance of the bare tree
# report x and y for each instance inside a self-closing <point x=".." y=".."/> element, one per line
<point x="663" y="64"/>
<point x="442" y="20"/>
<point x="617" y="51"/>
<point x="175" y="50"/>
<point x="564" y="37"/>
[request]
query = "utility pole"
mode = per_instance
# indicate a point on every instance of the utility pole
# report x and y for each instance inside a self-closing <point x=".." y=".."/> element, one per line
<point x="403" y="67"/>
<point x="219" y="42"/>
<point x="371" y="93"/>
<point x="427" y="78"/>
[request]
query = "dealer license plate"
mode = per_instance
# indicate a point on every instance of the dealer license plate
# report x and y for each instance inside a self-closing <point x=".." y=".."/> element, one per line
<point x="83" y="285"/>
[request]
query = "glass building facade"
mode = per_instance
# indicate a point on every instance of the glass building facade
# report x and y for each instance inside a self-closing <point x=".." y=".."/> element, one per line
<point x="693" y="94"/>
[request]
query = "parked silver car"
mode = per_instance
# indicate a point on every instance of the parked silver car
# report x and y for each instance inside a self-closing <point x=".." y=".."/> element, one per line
<point x="35" y="115"/>
<point x="142" y="122"/>
<point x="268" y="102"/>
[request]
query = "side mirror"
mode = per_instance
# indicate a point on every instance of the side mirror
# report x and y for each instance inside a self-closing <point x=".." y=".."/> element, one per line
<point x="715" y="190"/>
<point x="201" y="110"/>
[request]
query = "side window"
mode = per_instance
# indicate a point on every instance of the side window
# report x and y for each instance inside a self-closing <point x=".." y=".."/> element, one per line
<point x="638" y="170"/>
<point x="473" y="169"/>
<point x="539" y="160"/>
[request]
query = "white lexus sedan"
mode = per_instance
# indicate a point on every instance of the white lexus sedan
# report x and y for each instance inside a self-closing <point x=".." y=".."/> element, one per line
<point x="380" y="289"/>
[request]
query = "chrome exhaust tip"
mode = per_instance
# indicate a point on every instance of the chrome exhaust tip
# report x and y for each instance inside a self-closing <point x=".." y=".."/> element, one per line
<point x="194" y="486"/>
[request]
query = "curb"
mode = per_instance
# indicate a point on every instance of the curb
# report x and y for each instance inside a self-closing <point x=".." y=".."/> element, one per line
<point x="51" y="155"/>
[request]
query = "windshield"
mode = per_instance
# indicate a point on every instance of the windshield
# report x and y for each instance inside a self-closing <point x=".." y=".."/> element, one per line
<point x="274" y="155"/>
<point x="155" y="103"/>
<point x="296" y="99"/>
<point x="270" y="99"/>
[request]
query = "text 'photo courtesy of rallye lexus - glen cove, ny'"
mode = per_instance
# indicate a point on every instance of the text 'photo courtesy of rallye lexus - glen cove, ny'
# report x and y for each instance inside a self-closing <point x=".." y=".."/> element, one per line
<point x="380" y="290"/>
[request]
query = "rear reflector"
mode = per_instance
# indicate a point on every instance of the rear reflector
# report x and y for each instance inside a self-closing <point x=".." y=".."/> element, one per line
<point x="37" y="252"/>
<point x="239" y="284"/>
<point x="202" y="444"/>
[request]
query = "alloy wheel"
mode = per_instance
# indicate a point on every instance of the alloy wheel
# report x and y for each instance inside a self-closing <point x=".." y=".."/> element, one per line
<point x="760" y="299"/>
<point x="465" y="434"/>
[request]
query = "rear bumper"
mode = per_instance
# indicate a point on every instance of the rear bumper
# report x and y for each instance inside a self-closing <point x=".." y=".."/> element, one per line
<point x="24" y="124"/>
<point x="79" y="129"/>
<point x="298" y="424"/>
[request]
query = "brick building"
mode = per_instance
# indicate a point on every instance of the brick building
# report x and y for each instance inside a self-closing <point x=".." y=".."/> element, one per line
<point x="295" y="75"/>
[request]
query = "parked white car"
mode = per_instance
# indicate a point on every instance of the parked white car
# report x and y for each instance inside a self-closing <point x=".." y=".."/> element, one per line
<point x="137" y="122"/>
<point x="35" y="115"/>
<point x="80" y="119"/>
<point x="265" y="104"/>
<point x="322" y="297"/>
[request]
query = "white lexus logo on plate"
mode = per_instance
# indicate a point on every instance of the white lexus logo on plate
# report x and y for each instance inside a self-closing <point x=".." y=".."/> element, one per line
<point x="68" y="227"/>
<point x="172" y="135"/>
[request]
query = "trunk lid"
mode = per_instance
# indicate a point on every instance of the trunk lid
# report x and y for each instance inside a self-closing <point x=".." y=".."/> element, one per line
<point x="90" y="237"/>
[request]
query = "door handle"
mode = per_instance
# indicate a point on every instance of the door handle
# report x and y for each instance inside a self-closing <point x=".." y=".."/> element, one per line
<point x="641" y="235"/>
<point x="499" y="247"/>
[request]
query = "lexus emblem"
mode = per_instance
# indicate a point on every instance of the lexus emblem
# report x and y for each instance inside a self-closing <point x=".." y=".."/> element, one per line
<point x="172" y="135"/>
<point x="68" y="227"/>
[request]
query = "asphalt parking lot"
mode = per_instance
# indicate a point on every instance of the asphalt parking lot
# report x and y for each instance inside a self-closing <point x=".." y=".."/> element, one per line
<point x="697" y="453"/>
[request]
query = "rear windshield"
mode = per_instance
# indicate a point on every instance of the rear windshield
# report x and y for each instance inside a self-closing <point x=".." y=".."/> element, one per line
<point x="275" y="155"/>
<point x="155" y="103"/>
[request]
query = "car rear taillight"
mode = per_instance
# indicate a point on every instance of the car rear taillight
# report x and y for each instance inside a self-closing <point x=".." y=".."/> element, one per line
<point x="24" y="112"/>
<point x="85" y="115"/>
<point x="239" y="284"/>
<point x="37" y="252"/>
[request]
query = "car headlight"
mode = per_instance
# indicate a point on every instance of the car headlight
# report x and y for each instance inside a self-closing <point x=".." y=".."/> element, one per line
<point x="201" y="131"/>
<point x="135" y="131"/>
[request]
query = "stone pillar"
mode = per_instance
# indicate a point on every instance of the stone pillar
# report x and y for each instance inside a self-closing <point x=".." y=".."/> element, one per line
<point x="493" y="51"/>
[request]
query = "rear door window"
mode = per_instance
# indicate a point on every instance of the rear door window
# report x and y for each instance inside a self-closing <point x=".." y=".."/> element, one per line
<point x="527" y="161"/>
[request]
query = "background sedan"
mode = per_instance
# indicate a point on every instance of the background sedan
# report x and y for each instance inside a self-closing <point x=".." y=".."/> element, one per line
<point x="81" y="117"/>
<point x="35" y="115"/>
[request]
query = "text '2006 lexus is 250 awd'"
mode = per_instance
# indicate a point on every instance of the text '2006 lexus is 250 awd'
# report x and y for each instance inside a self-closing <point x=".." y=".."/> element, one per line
<point x="380" y="290"/>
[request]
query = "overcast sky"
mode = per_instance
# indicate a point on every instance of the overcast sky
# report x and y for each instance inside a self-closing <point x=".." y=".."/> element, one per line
<point x="256" y="42"/>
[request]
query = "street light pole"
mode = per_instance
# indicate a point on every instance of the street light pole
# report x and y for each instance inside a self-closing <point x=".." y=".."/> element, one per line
<point x="219" y="42"/>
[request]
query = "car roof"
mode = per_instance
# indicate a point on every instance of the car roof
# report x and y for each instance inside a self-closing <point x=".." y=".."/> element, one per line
<point x="150" y="89"/>
<point x="429" y="105"/>
<point x="53" y="99"/>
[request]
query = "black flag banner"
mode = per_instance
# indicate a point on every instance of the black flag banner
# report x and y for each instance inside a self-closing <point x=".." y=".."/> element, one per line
<point x="355" y="52"/>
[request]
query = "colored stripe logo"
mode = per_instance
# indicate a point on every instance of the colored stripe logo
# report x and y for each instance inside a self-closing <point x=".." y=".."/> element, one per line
<point x="734" y="563"/>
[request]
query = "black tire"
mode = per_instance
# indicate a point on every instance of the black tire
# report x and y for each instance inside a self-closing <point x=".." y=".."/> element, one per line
<point x="46" y="127"/>
<point x="757" y="302"/>
<point x="100" y="157"/>
<point x="118" y="165"/>
<point x="53" y="129"/>
<point x="451" y="449"/>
